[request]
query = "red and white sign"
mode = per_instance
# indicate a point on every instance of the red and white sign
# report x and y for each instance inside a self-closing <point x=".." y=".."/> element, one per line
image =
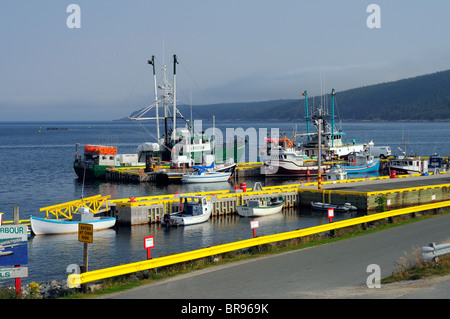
<point x="254" y="224"/>
<point x="149" y="242"/>
<point x="330" y="212"/>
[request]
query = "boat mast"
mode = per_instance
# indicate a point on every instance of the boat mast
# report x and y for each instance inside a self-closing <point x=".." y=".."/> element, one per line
<point x="305" y="94"/>
<point x="175" y="62"/>
<point x="152" y="62"/>
<point x="332" y="116"/>
<point x="319" y="157"/>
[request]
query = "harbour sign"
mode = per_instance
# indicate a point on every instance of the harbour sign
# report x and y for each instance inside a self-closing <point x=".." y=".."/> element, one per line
<point x="13" y="245"/>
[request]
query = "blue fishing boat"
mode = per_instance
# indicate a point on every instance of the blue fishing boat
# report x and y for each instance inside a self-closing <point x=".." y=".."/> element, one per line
<point x="361" y="163"/>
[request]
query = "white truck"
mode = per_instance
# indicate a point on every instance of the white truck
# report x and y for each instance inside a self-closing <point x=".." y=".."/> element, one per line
<point x="379" y="151"/>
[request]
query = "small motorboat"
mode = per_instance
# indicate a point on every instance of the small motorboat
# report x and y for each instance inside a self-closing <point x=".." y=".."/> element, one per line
<point x="48" y="226"/>
<point x="261" y="207"/>
<point x="207" y="174"/>
<point x="196" y="211"/>
<point x="337" y="208"/>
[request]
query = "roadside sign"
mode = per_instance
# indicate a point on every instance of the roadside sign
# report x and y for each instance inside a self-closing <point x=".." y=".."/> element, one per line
<point x="254" y="224"/>
<point x="149" y="242"/>
<point x="7" y="273"/>
<point x="331" y="214"/>
<point x="13" y="245"/>
<point x="86" y="233"/>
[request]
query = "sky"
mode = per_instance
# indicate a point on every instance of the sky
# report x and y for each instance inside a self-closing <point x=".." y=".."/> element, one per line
<point x="228" y="51"/>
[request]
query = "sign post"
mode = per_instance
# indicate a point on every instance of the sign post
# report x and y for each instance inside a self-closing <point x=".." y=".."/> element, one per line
<point x="331" y="214"/>
<point x="14" y="251"/>
<point x="149" y="243"/>
<point x="86" y="236"/>
<point x="253" y="225"/>
<point x="388" y="203"/>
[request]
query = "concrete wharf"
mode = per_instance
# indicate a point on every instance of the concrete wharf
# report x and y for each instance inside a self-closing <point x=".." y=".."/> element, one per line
<point x="402" y="191"/>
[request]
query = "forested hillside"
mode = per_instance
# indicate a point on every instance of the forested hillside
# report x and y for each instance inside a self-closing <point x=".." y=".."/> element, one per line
<point x="420" y="98"/>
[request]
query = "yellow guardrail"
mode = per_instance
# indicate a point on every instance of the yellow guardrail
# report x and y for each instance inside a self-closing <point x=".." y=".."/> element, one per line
<point x="94" y="203"/>
<point x="74" y="280"/>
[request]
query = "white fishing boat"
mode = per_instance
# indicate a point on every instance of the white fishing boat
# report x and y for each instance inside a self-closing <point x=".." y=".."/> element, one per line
<point x="193" y="210"/>
<point x="409" y="165"/>
<point x="332" y="138"/>
<point x="285" y="159"/>
<point x="336" y="173"/>
<point x="261" y="207"/>
<point x="337" y="208"/>
<point x="207" y="174"/>
<point x="47" y="226"/>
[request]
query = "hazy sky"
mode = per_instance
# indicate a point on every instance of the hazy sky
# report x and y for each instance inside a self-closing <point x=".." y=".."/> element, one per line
<point x="228" y="51"/>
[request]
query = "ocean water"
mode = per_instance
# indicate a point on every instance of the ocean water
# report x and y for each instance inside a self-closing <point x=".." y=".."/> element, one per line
<point x="36" y="171"/>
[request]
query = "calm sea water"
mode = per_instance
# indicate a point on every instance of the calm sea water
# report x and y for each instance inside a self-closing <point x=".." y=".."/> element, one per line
<point x="36" y="171"/>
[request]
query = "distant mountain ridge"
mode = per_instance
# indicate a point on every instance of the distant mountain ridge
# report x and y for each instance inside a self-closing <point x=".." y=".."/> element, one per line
<point x="421" y="98"/>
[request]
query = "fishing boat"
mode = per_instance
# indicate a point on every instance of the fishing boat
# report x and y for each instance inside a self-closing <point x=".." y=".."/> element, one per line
<point x="47" y="226"/>
<point x="437" y="164"/>
<point x="292" y="162"/>
<point x="332" y="139"/>
<point x="261" y="207"/>
<point x="408" y="165"/>
<point x="337" y="208"/>
<point x="361" y="162"/>
<point x="205" y="177"/>
<point x="98" y="158"/>
<point x="206" y="174"/>
<point x="171" y="140"/>
<point x="336" y="173"/>
<point x="193" y="210"/>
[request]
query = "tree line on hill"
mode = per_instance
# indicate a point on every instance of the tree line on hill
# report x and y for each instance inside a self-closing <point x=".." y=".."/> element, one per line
<point x="421" y="98"/>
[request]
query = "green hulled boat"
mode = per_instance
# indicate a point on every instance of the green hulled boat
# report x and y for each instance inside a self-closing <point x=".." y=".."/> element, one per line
<point x="177" y="147"/>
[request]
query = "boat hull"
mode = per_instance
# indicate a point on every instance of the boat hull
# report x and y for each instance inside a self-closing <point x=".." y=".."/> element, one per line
<point x="90" y="170"/>
<point x="206" y="178"/>
<point x="337" y="208"/>
<point x="369" y="168"/>
<point x="247" y="211"/>
<point x="43" y="226"/>
<point x="294" y="169"/>
<point x="185" y="220"/>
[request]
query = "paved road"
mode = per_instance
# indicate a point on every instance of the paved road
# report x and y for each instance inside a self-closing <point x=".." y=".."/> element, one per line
<point x="335" y="270"/>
